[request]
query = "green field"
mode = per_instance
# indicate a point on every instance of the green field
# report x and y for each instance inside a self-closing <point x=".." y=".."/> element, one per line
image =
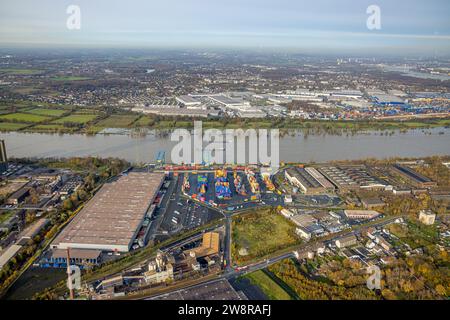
<point x="165" y="124"/>
<point x="144" y="121"/>
<point x="23" y="117"/>
<point x="117" y="121"/>
<point x="77" y="118"/>
<point x="10" y="126"/>
<point x="260" y="233"/>
<point x="70" y="78"/>
<point x="47" y="112"/>
<point x="271" y="289"/>
<point x="50" y="128"/>
<point x="416" y="235"/>
<point x="20" y="71"/>
<point x="5" y="216"/>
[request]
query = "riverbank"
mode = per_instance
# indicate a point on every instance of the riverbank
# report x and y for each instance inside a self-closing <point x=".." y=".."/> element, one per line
<point x="89" y="120"/>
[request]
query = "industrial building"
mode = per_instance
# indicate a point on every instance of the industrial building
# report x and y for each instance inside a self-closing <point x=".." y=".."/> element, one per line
<point x="303" y="233"/>
<point x="80" y="257"/>
<point x="19" y="196"/>
<point x="214" y="290"/>
<point x="176" y="111"/>
<point x="210" y="246"/>
<point x="251" y="113"/>
<point x="112" y="218"/>
<point x="346" y="241"/>
<point x="307" y="225"/>
<point x="231" y="103"/>
<point x="303" y="220"/>
<point x="370" y="203"/>
<point x="8" y="254"/>
<point x="160" y="269"/>
<point x="416" y="178"/>
<point x="309" y="180"/>
<point x="188" y="101"/>
<point x="352" y="177"/>
<point x="361" y="214"/>
<point x="29" y="233"/>
<point x="427" y="217"/>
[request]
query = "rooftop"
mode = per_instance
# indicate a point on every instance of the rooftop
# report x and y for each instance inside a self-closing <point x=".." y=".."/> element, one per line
<point x="114" y="214"/>
<point x="210" y="245"/>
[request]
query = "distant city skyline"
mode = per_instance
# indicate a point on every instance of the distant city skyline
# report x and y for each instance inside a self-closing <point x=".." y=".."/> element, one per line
<point x="324" y="26"/>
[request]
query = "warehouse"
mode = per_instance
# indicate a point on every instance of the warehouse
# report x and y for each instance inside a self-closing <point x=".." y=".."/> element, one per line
<point x="188" y="101"/>
<point x="113" y="217"/>
<point x="29" y="233"/>
<point x="8" y="254"/>
<point x="78" y="257"/>
<point x="361" y="214"/>
<point x="352" y="177"/>
<point x="18" y="196"/>
<point x="309" y="180"/>
<point x="346" y="241"/>
<point x="416" y="178"/>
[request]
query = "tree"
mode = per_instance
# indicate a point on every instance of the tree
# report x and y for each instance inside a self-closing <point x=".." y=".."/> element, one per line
<point x="441" y="290"/>
<point x="68" y="204"/>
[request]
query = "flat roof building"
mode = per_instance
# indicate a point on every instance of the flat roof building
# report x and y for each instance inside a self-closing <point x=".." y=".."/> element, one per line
<point x="29" y="233"/>
<point x="352" y="177"/>
<point x="303" y="220"/>
<point x="309" y="181"/>
<point x="416" y="178"/>
<point x="188" y="100"/>
<point x="176" y="111"/>
<point x="8" y="254"/>
<point x="346" y="241"/>
<point x="112" y="218"/>
<point x="370" y="203"/>
<point x="18" y="196"/>
<point x="83" y="257"/>
<point x="361" y="214"/>
<point x="210" y="245"/>
<point x="427" y="217"/>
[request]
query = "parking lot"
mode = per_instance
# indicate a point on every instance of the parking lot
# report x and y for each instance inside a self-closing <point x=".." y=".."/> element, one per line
<point x="316" y="200"/>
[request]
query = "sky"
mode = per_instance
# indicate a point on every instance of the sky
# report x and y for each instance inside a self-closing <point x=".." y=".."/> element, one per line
<point x="420" y="27"/>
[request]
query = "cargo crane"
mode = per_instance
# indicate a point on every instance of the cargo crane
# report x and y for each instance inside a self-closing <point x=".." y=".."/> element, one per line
<point x="186" y="186"/>
<point x="161" y="157"/>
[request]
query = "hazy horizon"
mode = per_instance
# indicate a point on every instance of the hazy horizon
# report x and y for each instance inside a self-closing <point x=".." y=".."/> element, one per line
<point x="325" y="26"/>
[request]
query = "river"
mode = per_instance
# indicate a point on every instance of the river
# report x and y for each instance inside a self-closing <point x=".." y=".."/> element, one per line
<point x="295" y="147"/>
